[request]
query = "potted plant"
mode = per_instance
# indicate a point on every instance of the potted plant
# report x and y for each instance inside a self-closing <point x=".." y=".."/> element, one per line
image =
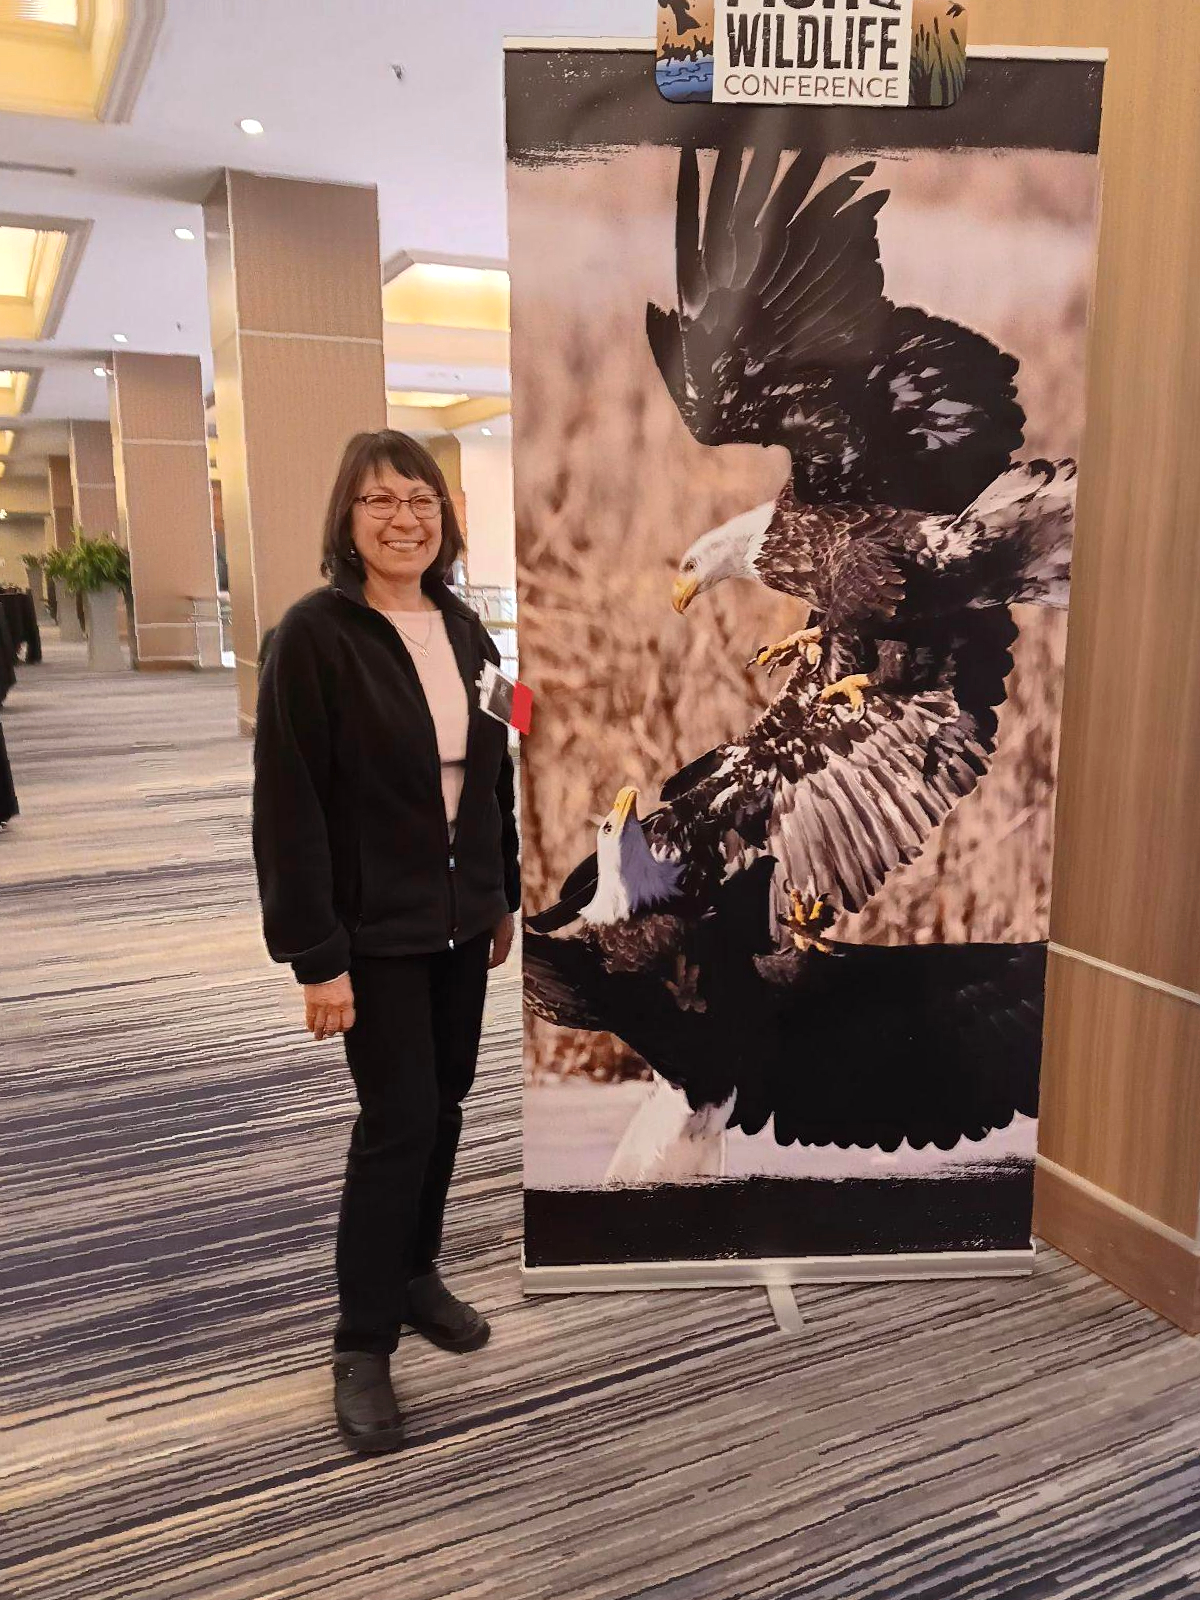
<point x="64" y="603"/>
<point x="98" y="569"/>
<point x="37" y="582"/>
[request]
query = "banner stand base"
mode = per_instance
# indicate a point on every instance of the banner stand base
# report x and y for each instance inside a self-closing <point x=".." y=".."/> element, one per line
<point x="616" y="1277"/>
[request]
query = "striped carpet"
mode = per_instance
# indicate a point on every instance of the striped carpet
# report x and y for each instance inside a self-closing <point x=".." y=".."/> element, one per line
<point x="169" y="1172"/>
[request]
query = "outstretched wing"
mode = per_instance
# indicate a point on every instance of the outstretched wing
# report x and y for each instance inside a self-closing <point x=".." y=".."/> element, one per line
<point x="776" y="290"/>
<point x="940" y="412"/>
<point x="876" y="1045"/>
<point x="865" y="1046"/>
<point x="840" y="800"/>
<point x="1012" y="544"/>
<point x="783" y="335"/>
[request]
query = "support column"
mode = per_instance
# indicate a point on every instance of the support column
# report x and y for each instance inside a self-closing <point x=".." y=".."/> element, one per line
<point x="93" y="480"/>
<point x="297" y="329"/>
<point x="447" y="452"/>
<point x="62" y="500"/>
<point x="62" y="518"/>
<point x="161" y="462"/>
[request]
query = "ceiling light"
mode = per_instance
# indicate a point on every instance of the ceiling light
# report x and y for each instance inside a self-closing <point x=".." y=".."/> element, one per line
<point x="101" y="372"/>
<point x="184" y="233"/>
<point x="120" y="338"/>
<point x="251" y="125"/>
<point x="424" y="399"/>
<point x="487" y="432"/>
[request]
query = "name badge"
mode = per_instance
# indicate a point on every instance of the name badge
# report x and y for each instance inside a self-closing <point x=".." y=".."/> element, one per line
<point x="506" y="699"/>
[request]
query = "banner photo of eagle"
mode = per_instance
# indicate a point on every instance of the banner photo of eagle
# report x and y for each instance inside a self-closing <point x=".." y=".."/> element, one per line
<point x="798" y="402"/>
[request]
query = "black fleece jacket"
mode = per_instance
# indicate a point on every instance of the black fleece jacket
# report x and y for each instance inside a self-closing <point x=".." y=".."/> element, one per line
<point x="350" y="837"/>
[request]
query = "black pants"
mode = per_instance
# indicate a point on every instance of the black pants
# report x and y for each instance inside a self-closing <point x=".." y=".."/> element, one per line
<point x="412" y="1054"/>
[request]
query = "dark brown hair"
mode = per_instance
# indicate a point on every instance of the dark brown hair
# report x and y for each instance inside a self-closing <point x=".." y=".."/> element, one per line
<point x="411" y="460"/>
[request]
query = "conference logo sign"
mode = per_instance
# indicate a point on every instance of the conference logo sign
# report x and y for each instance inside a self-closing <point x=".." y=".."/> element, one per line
<point x="885" y="53"/>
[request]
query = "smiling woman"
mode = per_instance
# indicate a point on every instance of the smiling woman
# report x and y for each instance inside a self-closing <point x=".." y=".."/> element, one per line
<point x="386" y="845"/>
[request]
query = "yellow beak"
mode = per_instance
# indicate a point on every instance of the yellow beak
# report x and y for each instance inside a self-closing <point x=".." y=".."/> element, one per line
<point x="683" y="593"/>
<point x="625" y="805"/>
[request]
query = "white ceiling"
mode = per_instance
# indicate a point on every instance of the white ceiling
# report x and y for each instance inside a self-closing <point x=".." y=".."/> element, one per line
<point x="318" y="74"/>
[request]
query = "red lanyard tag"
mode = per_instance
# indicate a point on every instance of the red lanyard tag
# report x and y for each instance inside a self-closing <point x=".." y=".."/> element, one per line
<point x="506" y="699"/>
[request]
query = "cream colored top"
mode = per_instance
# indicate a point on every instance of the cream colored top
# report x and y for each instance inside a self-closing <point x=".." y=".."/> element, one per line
<point x="445" y="691"/>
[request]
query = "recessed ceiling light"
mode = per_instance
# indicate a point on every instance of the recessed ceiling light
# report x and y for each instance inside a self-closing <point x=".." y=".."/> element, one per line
<point x="101" y="372"/>
<point x="120" y="338"/>
<point x="251" y="125"/>
<point x="487" y="433"/>
<point x="184" y="233"/>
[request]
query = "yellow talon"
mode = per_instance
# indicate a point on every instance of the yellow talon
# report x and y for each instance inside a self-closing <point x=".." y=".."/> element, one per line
<point x="852" y="687"/>
<point x="806" y="642"/>
<point x="807" y="922"/>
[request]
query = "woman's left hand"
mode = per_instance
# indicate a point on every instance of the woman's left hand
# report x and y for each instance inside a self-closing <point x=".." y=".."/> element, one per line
<point x="502" y="939"/>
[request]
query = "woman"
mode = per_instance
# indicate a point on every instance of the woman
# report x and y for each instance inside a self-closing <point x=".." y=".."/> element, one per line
<point x="386" y="847"/>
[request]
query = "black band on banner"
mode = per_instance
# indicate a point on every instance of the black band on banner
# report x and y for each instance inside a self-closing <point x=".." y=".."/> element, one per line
<point x="1018" y="103"/>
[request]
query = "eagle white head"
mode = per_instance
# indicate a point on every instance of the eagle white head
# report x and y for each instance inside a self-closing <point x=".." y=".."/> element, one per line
<point x="629" y="877"/>
<point x="725" y="552"/>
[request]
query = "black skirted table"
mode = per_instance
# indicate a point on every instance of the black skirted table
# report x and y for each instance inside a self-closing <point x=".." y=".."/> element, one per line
<point x="21" y="615"/>
<point x="8" y="795"/>
<point x="8" y="656"/>
<point x="20" y="640"/>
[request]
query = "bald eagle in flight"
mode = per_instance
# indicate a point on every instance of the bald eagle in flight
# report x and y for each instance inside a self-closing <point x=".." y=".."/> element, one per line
<point x="813" y="1036"/>
<point x="902" y="502"/>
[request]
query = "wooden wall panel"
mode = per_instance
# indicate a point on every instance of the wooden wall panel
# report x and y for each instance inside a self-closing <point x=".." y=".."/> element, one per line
<point x="1121" y="1091"/>
<point x="1129" y="798"/>
<point x="1121" y="1080"/>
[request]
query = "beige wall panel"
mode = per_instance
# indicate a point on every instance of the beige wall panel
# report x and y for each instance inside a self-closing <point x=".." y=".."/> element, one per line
<point x="1129" y="795"/>
<point x="19" y="495"/>
<point x="1121" y="1090"/>
<point x="60" y="480"/>
<point x="166" y="489"/>
<point x="62" y="500"/>
<point x="218" y="255"/>
<point x="303" y="399"/>
<point x="91" y="453"/>
<point x="64" y="534"/>
<point x="19" y="537"/>
<point x="236" y="509"/>
<point x="96" y="509"/>
<point x="93" y="478"/>
<point x="339" y="291"/>
<point x="158" y="397"/>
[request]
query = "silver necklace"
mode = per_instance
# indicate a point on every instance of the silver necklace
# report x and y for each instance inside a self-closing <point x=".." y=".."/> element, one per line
<point x="418" y="644"/>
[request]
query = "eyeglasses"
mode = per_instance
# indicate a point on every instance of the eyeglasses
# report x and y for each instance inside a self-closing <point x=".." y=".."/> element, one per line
<point x="425" y="506"/>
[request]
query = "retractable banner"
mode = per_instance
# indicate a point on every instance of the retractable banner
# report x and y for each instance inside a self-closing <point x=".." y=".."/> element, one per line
<point x="798" y="400"/>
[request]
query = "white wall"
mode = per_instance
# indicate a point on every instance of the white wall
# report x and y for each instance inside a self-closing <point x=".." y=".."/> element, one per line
<point x="487" y="482"/>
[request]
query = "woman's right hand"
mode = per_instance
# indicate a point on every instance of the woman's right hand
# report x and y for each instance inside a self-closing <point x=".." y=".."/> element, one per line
<point x="329" y="1007"/>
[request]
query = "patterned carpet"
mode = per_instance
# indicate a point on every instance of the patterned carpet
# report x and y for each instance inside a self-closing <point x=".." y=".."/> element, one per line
<point x="169" y="1177"/>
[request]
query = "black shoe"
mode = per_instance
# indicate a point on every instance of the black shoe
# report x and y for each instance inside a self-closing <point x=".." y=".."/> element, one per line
<point x="440" y="1317"/>
<point x="367" y="1414"/>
